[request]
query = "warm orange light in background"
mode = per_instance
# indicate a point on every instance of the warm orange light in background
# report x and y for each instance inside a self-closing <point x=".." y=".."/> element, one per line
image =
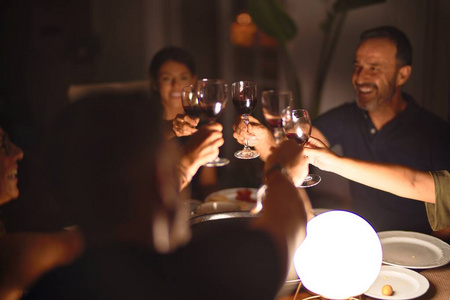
<point x="243" y="31"/>
<point x="244" y="19"/>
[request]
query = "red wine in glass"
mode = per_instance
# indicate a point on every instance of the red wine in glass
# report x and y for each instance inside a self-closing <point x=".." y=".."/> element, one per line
<point x="243" y="94"/>
<point x="193" y="111"/>
<point x="274" y="122"/>
<point x="190" y="101"/>
<point x="211" y="110"/>
<point x="302" y="139"/>
<point x="245" y="105"/>
<point x="212" y="95"/>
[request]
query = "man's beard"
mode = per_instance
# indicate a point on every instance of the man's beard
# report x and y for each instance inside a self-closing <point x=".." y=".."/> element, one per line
<point x="370" y="104"/>
<point x="363" y="101"/>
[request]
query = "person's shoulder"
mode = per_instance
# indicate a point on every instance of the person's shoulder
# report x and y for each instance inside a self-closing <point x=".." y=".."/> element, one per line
<point x="343" y="108"/>
<point x="341" y="112"/>
<point x="419" y="111"/>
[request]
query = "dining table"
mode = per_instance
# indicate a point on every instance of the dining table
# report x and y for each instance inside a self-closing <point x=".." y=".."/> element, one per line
<point x="436" y="271"/>
<point x="439" y="279"/>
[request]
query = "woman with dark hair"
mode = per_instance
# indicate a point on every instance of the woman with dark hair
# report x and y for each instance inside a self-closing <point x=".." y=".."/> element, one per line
<point x="171" y="69"/>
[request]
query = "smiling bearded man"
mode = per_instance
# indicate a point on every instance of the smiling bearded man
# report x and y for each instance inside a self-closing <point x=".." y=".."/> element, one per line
<point x="386" y="125"/>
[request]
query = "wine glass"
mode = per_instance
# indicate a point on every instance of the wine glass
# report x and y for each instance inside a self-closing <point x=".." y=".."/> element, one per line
<point x="243" y="94"/>
<point x="190" y="101"/>
<point x="213" y="95"/>
<point x="298" y="128"/>
<point x="276" y="106"/>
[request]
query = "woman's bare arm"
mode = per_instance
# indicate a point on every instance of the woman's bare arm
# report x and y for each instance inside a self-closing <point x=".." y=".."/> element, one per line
<point x="393" y="178"/>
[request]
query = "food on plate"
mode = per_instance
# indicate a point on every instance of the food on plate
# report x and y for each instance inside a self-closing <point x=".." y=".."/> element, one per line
<point x="387" y="290"/>
<point x="218" y="198"/>
<point x="241" y="196"/>
<point x="244" y="195"/>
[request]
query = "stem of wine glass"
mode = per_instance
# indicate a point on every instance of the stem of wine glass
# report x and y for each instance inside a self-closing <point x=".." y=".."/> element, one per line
<point x="212" y="121"/>
<point x="246" y="121"/>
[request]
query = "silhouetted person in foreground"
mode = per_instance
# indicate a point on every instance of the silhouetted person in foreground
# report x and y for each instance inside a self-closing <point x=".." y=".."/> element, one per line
<point x="116" y="174"/>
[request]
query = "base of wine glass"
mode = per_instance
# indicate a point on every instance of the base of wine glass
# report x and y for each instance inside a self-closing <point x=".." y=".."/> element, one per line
<point x="246" y="154"/>
<point x="218" y="162"/>
<point x="310" y="181"/>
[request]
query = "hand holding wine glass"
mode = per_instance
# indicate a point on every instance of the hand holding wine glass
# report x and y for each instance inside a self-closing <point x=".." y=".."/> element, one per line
<point x="212" y="96"/>
<point x="202" y="147"/>
<point x="298" y="128"/>
<point x="287" y="158"/>
<point x="256" y="134"/>
<point x="244" y="96"/>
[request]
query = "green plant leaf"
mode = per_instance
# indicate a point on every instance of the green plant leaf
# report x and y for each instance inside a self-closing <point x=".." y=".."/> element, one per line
<point x="345" y="5"/>
<point x="271" y="17"/>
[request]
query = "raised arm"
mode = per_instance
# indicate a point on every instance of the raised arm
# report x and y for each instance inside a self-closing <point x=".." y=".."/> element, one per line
<point x="201" y="148"/>
<point x="316" y="133"/>
<point x="284" y="216"/>
<point x="396" y="179"/>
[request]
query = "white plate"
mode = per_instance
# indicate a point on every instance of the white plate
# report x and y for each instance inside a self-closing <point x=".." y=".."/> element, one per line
<point x="216" y="207"/>
<point x="229" y="195"/>
<point x="406" y="284"/>
<point x="413" y="250"/>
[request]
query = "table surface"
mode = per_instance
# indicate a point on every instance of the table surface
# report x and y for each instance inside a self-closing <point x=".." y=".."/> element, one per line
<point x="439" y="279"/>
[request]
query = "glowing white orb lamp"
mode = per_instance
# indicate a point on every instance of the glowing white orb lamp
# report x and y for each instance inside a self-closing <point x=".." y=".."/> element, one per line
<point x="340" y="257"/>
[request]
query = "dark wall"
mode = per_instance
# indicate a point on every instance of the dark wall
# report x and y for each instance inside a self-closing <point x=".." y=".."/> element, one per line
<point x="45" y="45"/>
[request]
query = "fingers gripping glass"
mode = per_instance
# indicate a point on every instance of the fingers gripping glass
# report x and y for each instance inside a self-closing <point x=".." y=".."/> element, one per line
<point x="213" y="95"/>
<point x="298" y="128"/>
<point x="243" y="94"/>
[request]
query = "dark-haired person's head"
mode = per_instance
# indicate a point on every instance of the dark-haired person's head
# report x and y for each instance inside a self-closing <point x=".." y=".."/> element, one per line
<point x="381" y="67"/>
<point x="114" y="172"/>
<point x="171" y="53"/>
<point x="10" y="155"/>
<point x="397" y="37"/>
<point x="171" y="69"/>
